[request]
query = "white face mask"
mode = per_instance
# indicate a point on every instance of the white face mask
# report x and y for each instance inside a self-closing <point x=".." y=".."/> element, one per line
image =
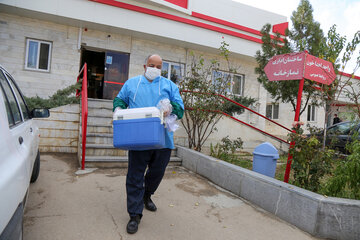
<point x="151" y="73"/>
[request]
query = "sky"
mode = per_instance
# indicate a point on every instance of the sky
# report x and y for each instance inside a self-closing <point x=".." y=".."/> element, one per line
<point x="344" y="13"/>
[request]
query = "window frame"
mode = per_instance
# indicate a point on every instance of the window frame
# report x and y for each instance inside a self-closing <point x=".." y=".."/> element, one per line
<point x="313" y="116"/>
<point x="14" y="123"/>
<point x="15" y="88"/>
<point x="38" y="54"/>
<point x="273" y="110"/>
<point x="242" y="76"/>
<point x="182" y="68"/>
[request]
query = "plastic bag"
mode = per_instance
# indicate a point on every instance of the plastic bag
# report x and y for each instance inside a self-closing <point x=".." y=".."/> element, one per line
<point x="170" y="123"/>
<point x="170" y="119"/>
<point x="165" y="106"/>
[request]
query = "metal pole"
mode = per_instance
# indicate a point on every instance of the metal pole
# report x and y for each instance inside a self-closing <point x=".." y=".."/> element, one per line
<point x="297" y="117"/>
<point x="84" y="115"/>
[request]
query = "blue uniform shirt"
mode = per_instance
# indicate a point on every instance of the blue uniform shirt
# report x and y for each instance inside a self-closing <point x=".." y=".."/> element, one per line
<point x="138" y="92"/>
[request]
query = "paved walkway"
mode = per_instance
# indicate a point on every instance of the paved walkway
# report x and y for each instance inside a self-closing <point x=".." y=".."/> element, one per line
<point x="92" y="206"/>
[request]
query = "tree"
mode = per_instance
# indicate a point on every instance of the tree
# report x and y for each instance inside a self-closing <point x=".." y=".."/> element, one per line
<point x="305" y="35"/>
<point x="203" y="106"/>
<point x="343" y="86"/>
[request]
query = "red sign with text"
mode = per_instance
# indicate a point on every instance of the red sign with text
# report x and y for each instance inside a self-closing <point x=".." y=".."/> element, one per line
<point x="319" y="70"/>
<point x="295" y="66"/>
<point x="180" y="3"/>
<point x="285" y="67"/>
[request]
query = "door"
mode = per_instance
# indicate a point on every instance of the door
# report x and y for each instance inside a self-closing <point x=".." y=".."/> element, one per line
<point x="14" y="153"/>
<point x="116" y="73"/>
<point x="30" y="142"/>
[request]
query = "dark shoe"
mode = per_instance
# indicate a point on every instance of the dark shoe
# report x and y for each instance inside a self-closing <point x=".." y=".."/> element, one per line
<point x="133" y="224"/>
<point x="149" y="204"/>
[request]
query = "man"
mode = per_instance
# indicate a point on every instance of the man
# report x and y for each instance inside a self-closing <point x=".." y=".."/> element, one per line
<point x="146" y="91"/>
<point x="336" y="119"/>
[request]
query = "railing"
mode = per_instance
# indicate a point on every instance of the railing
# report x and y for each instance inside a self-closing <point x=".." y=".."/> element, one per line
<point x="238" y="120"/>
<point x="84" y="110"/>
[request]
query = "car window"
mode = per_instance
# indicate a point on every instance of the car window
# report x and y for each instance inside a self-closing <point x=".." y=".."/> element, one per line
<point x="19" y="97"/>
<point x="342" y="129"/>
<point x="14" y="116"/>
<point x="7" y="105"/>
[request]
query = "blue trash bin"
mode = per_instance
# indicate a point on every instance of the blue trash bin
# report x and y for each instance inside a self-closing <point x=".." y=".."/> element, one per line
<point x="264" y="160"/>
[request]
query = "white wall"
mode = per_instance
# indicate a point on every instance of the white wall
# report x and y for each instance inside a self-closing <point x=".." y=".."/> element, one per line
<point x="64" y="62"/>
<point x="90" y="14"/>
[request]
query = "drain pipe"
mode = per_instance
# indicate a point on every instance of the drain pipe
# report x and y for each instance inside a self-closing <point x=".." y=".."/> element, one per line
<point x="79" y="38"/>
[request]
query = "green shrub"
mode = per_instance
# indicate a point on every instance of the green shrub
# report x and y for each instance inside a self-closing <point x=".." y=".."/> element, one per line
<point x="226" y="148"/>
<point x="60" y="98"/>
<point x="311" y="162"/>
<point x="345" y="181"/>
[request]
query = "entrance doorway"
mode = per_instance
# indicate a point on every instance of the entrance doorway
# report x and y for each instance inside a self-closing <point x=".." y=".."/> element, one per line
<point x="95" y="74"/>
<point x="107" y="72"/>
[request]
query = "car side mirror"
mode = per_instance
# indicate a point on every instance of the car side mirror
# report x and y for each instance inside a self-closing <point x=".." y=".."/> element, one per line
<point x="40" y="113"/>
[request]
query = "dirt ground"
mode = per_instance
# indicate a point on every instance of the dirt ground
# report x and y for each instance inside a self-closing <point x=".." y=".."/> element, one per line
<point x="63" y="205"/>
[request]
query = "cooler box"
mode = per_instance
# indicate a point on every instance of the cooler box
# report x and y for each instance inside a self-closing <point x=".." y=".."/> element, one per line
<point x="139" y="129"/>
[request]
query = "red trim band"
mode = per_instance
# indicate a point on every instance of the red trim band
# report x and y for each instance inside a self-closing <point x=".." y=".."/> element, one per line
<point x="343" y="105"/>
<point x="114" y="82"/>
<point x="225" y="23"/>
<point x="230" y="24"/>
<point x="177" y="19"/>
<point x="349" y="75"/>
<point x="180" y="3"/>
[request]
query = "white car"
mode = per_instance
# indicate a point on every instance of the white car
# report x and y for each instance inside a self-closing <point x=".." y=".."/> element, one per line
<point x="19" y="155"/>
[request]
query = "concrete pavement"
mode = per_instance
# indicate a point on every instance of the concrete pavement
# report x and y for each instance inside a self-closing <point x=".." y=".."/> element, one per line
<point x="63" y="205"/>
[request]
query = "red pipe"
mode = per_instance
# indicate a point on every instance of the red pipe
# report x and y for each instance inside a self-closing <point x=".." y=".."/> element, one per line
<point x="240" y="105"/>
<point x="349" y="75"/>
<point x="238" y="120"/>
<point x="84" y="110"/>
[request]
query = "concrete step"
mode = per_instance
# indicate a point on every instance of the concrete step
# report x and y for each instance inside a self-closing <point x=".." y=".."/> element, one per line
<point x="103" y="150"/>
<point x="99" y="128"/>
<point x="100" y="112"/>
<point x="109" y="150"/>
<point x="100" y="103"/>
<point x="98" y="120"/>
<point x="99" y="138"/>
<point x="122" y="162"/>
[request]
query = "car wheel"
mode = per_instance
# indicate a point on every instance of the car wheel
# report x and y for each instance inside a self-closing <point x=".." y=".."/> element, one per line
<point x="36" y="169"/>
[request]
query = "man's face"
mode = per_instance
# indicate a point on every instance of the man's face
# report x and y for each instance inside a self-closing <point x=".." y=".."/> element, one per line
<point x="154" y="61"/>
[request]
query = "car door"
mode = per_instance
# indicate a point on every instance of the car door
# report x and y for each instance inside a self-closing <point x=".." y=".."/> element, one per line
<point x="30" y="141"/>
<point x="14" y="176"/>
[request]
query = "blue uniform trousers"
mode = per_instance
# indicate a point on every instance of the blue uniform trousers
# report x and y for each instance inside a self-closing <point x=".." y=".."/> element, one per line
<point x="137" y="184"/>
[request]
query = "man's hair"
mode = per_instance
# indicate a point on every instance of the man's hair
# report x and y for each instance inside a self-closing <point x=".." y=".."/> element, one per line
<point x="147" y="58"/>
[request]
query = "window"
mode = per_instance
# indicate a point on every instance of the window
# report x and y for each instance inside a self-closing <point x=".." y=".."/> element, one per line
<point x="19" y="97"/>
<point x="311" y="113"/>
<point x="12" y="109"/>
<point x="173" y="71"/>
<point x="345" y="128"/>
<point x="38" y="55"/>
<point x="236" y="81"/>
<point x="272" y="111"/>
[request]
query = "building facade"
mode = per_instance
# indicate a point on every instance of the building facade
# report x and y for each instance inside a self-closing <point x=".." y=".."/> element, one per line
<point x="45" y="43"/>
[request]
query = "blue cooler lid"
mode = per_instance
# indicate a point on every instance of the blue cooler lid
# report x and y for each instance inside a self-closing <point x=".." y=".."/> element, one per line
<point x="266" y="149"/>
